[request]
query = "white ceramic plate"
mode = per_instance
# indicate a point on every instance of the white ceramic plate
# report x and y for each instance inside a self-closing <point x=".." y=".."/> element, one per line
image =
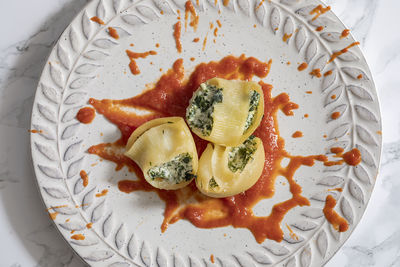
<point x="87" y="62"/>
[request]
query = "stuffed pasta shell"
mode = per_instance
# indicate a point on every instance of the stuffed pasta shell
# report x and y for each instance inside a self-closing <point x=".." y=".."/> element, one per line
<point x="165" y="151"/>
<point x="227" y="171"/>
<point x="225" y="112"/>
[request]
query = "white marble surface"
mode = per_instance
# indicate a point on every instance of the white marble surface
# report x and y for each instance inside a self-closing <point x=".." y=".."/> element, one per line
<point x="29" y="29"/>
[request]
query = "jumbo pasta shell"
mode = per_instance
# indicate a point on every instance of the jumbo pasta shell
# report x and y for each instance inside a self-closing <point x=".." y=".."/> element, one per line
<point x="215" y="177"/>
<point x="165" y="151"/>
<point x="221" y="111"/>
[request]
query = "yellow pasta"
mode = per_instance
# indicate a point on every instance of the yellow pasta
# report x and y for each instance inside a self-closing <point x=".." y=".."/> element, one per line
<point x="165" y="151"/>
<point x="225" y="112"/>
<point x="227" y="171"/>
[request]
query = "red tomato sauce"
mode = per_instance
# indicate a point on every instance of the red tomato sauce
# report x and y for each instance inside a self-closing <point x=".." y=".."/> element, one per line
<point x="78" y="237"/>
<point x="341" y="52"/>
<point x="97" y="20"/>
<point x="194" y="18"/>
<point x="352" y="157"/>
<point x="133" y="56"/>
<point x="177" y="36"/>
<point x="53" y="215"/>
<point x="318" y="11"/>
<point x="297" y="134"/>
<point x="102" y="193"/>
<point x="302" y="66"/>
<point x="316" y="73"/>
<point x="335" y="115"/>
<point x="339" y="223"/>
<point x="170" y="97"/>
<point x="86" y="115"/>
<point x="84" y="177"/>
<point x="113" y="33"/>
<point x="286" y="37"/>
<point x="345" y="33"/>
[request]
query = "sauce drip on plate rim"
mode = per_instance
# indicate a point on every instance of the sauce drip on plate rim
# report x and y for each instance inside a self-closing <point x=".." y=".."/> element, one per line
<point x="339" y="223"/>
<point x="78" y="237"/>
<point x="85" y="178"/>
<point x="97" y="20"/>
<point x="342" y="51"/>
<point x="318" y="11"/>
<point x="113" y="33"/>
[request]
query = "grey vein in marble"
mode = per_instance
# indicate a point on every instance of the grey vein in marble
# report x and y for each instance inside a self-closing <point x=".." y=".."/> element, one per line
<point x="54" y="253"/>
<point x="358" y="14"/>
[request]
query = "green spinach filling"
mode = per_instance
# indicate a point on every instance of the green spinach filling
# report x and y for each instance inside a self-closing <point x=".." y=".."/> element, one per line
<point x="201" y="108"/>
<point x="178" y="170"/>
<point x="212" y="183"/>
<point x="254" y="101"/>
<point x="240" y="155"/>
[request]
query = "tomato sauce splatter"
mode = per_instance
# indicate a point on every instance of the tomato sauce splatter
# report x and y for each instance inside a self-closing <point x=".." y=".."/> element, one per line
<point x="170" y="97"/>
<point x="316" y="73"/>
<point x="302" y="66"/>
<point x="339" y="223"/>
<point x="318" y="11"/>
<point x="345" y="33"/>
<point x="113" y="33"/>
<point x="194" y="18"/>
<point x="102" y="193"/>
<point x="335" y="115"/>
<point x="84" y="177"/>
<point x="286" y="37"/>
<point x="78" y="237"/>
<point x="86" y="115"/>
<point x="133" y="56"/>
<point x="341" y="52"/>
<point x="97" y="20"/>
<point x="297" y="134"/>
<point x="177" y="36"/>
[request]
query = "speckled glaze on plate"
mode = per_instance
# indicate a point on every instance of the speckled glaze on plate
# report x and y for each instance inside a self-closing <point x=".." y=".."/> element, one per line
<point x="87" y="62"/>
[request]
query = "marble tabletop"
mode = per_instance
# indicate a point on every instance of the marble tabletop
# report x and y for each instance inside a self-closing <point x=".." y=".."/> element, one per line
<point x="29" y="30"/>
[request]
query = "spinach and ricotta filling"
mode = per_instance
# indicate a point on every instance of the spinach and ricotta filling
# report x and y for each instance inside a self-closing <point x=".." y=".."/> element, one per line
<point x="199" y="114"/>
<point x="254" y="101"/>
<point x="239" y="156"/>
<point x="179" y="169"/>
